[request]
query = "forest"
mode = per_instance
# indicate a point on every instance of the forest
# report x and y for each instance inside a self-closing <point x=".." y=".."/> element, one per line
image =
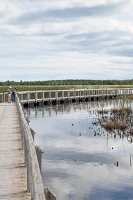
<point x="69" y="82"/>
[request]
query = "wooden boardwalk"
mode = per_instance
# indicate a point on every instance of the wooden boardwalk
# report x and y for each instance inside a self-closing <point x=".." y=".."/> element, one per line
<point x="72" y="95"/>
<point x="13" y="173"/>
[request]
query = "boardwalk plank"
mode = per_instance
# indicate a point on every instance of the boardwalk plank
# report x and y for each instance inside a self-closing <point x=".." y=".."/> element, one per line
<point x="13" y="180"/>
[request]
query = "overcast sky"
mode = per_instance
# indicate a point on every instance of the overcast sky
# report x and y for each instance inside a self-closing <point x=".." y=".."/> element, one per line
<point x="65" y="39"/>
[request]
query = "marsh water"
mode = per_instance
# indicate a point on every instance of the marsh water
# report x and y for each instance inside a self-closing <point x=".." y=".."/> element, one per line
<point x="82" y="161"/>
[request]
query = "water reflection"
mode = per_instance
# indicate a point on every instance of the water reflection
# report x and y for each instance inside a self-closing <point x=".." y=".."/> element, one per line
<point x="82" y="161"/>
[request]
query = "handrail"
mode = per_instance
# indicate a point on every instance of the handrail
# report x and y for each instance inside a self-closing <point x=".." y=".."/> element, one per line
<point x="55" y="95"/>
<point x="71" y="90"/>
<point x="34" y="179"/>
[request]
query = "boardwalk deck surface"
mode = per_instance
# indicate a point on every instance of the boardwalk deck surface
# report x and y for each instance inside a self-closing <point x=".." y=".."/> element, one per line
<point x="12" y="168"/>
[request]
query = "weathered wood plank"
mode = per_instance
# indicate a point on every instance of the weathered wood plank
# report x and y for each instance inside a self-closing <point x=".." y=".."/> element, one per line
<point x="13" y="173"/>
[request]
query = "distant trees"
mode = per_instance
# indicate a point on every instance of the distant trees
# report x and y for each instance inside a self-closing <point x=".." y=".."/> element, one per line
<point x="70" y="82"/>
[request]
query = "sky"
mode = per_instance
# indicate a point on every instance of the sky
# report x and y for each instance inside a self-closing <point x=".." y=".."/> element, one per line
<point x="66" y="39"/>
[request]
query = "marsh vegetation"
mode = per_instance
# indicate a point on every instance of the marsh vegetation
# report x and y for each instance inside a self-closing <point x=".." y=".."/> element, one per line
<point x="119" y="118"/>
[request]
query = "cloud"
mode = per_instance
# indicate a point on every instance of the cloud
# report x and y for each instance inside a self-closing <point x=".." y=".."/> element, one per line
<point x="60" y="38"/>
<point x="68" y="13"/>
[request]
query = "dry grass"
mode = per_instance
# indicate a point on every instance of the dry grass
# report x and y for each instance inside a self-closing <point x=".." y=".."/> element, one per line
<point x="108" y="125"/>
<point x="114" y="125"/>
<point x="121" y="111"/>
<point x="102" y="112"/>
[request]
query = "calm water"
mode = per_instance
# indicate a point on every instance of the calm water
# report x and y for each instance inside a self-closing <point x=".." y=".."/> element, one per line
<point x="79" y="158"/>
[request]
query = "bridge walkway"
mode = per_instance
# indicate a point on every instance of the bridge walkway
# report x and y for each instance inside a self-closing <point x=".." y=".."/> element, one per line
<point x="13" y="173"/>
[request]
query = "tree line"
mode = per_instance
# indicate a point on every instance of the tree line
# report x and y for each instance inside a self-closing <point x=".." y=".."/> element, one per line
<point x="70" y="82"/>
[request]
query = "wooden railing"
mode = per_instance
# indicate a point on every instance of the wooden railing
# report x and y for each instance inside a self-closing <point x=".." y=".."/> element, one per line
<point x="49" y="95"/>
<point x="3" y="97"/>
<point x="34" y="179"/>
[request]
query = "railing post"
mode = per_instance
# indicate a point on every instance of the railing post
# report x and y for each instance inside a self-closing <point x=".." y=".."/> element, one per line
<point x="93" y="92"/>
<point x="89" y="92"/>
<point x="68" y="94"/>
<point x="80" y="93"/>
<point x="49" y="95"/>
<point x="36" y="96"/>
<point x="85" y="92"/>
<point x="98" y="92"/>
<point x="102" y="92"/>
<point x="43" y="96"/>
<point x="4" y="97"/>
<point x="56" y="95"/>
<point x="28" y="97"/>
<point x="62" y="94"/>
<point x="22" y="97"/>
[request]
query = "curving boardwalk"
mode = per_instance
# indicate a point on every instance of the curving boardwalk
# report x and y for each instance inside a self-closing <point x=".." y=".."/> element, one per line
<point x="13" y="180"/>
